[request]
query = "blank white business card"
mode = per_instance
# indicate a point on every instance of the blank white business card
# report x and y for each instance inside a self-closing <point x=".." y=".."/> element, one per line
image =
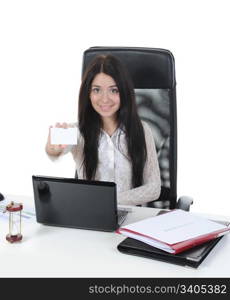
<point x="63" y="136"/>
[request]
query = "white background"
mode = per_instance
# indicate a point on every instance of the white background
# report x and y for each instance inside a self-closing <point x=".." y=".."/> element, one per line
<point x="41" y="47"/>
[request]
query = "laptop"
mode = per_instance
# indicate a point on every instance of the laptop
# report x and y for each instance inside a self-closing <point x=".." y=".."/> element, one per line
<point x="77" y="203"/>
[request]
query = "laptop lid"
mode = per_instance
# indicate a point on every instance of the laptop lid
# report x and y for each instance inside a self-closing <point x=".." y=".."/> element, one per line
<point x="75" y="203"/>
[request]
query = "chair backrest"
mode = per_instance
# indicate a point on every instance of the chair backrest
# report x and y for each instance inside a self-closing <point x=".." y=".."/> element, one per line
<point x="153" y="73"/>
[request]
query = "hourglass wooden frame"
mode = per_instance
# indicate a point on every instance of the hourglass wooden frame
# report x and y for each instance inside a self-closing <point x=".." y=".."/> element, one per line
<point x="13" y="208"/>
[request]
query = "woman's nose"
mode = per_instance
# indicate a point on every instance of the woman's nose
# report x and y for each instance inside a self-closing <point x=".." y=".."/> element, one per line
<point x="104" y="97"/>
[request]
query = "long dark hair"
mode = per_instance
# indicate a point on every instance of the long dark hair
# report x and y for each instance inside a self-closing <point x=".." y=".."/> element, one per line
<point x="90" y="122"/>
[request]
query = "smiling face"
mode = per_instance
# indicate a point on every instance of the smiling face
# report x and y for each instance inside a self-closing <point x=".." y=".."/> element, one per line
<point x="104" y="96"/>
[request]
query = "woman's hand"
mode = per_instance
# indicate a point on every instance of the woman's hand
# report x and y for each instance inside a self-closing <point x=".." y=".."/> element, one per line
<point x="55" y="150"/>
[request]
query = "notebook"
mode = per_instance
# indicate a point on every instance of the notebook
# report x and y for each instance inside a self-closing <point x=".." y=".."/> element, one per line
<point x="76" y="203"/>
<point x="192" y="257"/>
<point x="175" y="231"/>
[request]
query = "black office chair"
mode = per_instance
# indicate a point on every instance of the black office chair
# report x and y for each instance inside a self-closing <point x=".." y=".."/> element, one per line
<point x="153" y="74"/>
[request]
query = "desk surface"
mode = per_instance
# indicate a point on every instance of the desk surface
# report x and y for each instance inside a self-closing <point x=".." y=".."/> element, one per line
<point x="47" y="251"/>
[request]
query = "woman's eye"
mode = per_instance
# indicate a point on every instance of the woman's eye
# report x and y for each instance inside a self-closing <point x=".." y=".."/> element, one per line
<point x="95" y="90"/>
<point x="114" y="91"/>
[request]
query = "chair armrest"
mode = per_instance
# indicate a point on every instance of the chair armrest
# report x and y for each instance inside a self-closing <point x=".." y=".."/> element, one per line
<point x="184" y="203"/>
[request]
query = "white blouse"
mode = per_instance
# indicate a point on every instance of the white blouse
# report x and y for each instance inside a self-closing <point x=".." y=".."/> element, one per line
<point x="114" y="165"/>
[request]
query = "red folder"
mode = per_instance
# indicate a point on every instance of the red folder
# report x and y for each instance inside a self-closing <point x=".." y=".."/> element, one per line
<point x="181" y="246"/>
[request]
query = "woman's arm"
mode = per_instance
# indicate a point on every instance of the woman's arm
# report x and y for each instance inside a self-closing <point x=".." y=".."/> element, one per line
<point x="150" y="190"/>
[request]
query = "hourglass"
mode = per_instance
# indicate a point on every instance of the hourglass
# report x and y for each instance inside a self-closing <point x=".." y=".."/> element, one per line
<point x="15" y="222"/>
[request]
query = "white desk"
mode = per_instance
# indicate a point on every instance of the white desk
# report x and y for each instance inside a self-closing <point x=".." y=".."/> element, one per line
<point x="47" y="251"/>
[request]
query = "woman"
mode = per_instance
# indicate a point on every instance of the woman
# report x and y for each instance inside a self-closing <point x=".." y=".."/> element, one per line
<point x="113" y="144"/>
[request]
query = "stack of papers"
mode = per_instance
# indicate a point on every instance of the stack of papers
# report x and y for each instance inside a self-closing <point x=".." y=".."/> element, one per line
<point x="175" y="231"/>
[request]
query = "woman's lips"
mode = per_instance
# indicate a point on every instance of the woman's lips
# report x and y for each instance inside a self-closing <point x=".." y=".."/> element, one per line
<point x="105" y="107"/>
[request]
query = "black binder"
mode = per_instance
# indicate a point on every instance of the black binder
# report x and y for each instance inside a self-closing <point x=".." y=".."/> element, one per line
<point x="192" y="257"/>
